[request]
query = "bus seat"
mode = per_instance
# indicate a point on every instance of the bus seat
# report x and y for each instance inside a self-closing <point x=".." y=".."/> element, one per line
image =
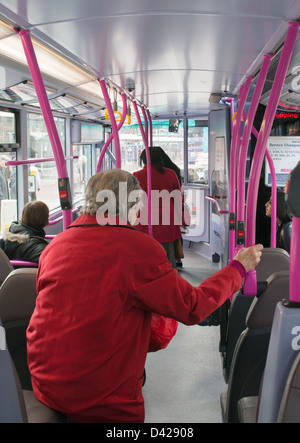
<point x="250" y="353"/>
<point x="5" y="266"/>
<point x="18" y="406"/>
<point x="17" y="303"/>
<point x="289" y="411"/>
<point x="272" y="260"/>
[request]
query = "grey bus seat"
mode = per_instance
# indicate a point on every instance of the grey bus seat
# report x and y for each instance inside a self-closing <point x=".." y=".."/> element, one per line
<point x="252" y="346"/>
<point x="272" y="260"/>
<point x="289" y="411"/>
<point x="17" y="303"/>
<point x="5" y="266"/>
<point x="18" y="406"/>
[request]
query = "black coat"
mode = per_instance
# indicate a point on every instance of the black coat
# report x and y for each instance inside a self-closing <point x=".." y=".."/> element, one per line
<point x="22" y="242"/>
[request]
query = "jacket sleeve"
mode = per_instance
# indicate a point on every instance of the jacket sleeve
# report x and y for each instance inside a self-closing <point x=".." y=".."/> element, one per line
<point x="172" y="296"/>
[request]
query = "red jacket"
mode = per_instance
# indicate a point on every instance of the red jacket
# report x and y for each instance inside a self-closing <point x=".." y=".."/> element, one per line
<point x="164" y="233"/>
<point x="89" y="334"/>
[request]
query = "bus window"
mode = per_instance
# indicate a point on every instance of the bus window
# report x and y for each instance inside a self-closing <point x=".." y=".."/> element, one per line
<point x="42" y="177"/>
<point x="82" y="168"/>
<point x="198" y="151"/>
<point x="8" y="190"/>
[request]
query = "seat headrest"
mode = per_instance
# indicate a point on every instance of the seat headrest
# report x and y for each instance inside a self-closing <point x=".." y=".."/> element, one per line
<point x="272" y="260"/>
<point x="262" y="309"/>
<point x="18" y="295"/>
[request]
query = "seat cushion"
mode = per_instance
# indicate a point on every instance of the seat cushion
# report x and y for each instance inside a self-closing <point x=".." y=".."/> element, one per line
<point x="247" y="409"/>
<point x="37" y="412"/>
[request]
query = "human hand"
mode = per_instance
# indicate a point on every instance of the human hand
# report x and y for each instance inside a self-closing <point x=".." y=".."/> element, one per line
<point x="249" y="257"/>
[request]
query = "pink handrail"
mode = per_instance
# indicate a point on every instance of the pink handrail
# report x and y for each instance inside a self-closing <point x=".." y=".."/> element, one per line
<point x="241" y="170"/>
<point x="46" y="111"/>
<point x="23" y="263"/>
<point x="149" y="185"/>
<point x="108" y="141"/>
<point x="250" y="280"/>
<point x="113" y="122"/>
<point x="234" y="151"/>
<point x="29" y="161"/>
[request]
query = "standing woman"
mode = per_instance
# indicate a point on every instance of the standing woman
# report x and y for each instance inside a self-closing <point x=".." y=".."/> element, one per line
<point x="165" y="223"/>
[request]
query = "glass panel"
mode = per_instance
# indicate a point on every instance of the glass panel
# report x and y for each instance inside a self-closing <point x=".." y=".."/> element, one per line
<point x="163" y="135"/>
<point x="7" y="127"/>
<point x="82" y="168"/>
<point x="8" y="190"/>
<point x="42" y="177"/>
<point x="198" y="151"/>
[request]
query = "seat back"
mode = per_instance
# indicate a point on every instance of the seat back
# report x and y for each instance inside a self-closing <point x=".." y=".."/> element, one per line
<point x="12" y="405"/>
<point x="251" y="350"/>
<point x="17" y="303"/>
<point x="272" y="260"/>
<point x="5" y="266"/>
<point x="289" y="411"/>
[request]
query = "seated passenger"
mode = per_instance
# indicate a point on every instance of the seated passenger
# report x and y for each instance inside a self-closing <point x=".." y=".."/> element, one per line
<point x="25" y="239"/>
<point x="98" y="283"/>
<point x="284" y="221"/>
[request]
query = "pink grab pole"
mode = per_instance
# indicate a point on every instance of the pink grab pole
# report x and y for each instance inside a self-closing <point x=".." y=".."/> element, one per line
<point x="150" y="127"/>
<point x="241" y="170"/>
<point x="235" y="145"/>
<point x="108" y="141"/>
<point x="113" y="122"/>
<point x="149" y="185"/>
<point x="47" y="113"/>
<point x="250" y="279"/>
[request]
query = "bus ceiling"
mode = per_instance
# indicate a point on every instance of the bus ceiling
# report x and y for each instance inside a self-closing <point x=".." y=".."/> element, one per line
<point x="170" y="58"/>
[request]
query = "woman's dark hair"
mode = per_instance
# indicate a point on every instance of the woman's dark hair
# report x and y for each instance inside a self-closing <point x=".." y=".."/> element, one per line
<point x="282" y="210"/>
<point x="35" y="214"/>
<point x="169" y="164"/>
<point x="155" y="156"/>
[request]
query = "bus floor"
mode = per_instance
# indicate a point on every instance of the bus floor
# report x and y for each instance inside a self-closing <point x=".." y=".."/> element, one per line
<point x="185" y="380"/>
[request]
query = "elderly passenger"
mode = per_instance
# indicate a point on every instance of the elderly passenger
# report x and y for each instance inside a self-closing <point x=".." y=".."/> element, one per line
<point x="98" y="283"/>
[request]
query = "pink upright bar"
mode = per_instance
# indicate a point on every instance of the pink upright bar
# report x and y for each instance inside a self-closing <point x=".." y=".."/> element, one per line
<point x="150" y="128"/>
<point x="235" y="145"/>
<point x="149" y="185"/>
<point x="108" y="141"/>
<point x="294" y="261"/>
<point x="274" y="200"/>
<point x="250" y="283"/>
<point x="46" y="111"/>
<point x="146" y="124"/>
<point x="241" y="170"/>
<point x="113" y="122"/>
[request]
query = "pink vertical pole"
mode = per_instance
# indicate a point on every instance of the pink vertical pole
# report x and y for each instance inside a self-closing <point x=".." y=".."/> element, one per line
<point x="108" y="141"/>
<point x="150" y="128"/>
<point x="113" y="122"/>
<point x="149" y="186"/>
<point x="235" y="145"/>
<point x="47" y="113"/>
<point x="250" y="279"/>
<point x="145" y="123"/>
<point x="274" y="200"/>
<point x="241" y="170"/>
<point x="294" y="261"/>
